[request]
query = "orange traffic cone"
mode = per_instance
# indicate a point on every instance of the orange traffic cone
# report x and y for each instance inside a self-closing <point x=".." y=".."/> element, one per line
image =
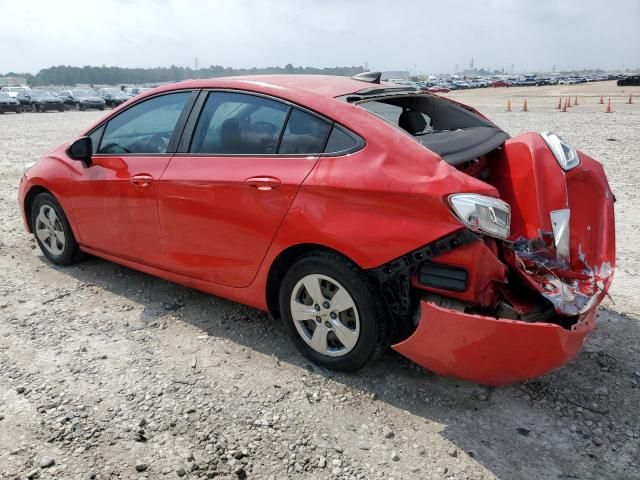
<point x="601" y="100"/>
<point x="630" y="99"/>
<point x="608" y="109"/>
<point x="508" y="105"/>
<point x="564" y="107"/>
<point x="559" y="104"/>
<point x="576" y="101"/>
<point x="524" y="106"/>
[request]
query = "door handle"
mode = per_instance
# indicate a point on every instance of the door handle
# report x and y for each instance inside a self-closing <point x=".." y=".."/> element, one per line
<point x="142" y="180"/>
<point x="263" y="183"/>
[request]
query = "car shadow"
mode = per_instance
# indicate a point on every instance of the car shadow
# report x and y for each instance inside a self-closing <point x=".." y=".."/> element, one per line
<point x="546" y="428"/>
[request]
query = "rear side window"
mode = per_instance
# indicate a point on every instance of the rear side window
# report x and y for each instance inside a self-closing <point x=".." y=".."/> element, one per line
<point x="305" y="134"/>
<point x="237" y="124"/>
<point x="339" y="141"/>
<point x="145" y="128"/>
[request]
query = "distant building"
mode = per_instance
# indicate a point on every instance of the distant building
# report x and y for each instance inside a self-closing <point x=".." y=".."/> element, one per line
<point x="12" y="81"/>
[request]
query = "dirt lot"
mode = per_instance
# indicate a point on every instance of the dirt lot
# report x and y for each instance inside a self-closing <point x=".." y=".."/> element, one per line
<point x="109" y="373"/>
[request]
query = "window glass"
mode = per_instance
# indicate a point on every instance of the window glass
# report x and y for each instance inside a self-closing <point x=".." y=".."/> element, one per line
<point x="146" y="127"/>
<point x="236" y="123"/>
<point x="95" y="139"/>
<point x="339" y="141"/>
<point x="392" y="114"/>
<point x="305" y="133"/>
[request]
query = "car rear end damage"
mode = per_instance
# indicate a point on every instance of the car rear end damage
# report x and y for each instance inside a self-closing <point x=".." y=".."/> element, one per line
<point x="498" y="310"/>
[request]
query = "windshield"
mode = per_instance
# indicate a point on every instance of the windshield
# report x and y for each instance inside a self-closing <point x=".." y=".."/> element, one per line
<point x="84" y="92"/>
<point x="4" y="95"/>
<point x="39" y="93"/>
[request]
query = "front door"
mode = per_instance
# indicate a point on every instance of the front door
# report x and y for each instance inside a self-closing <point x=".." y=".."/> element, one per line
<point x="115" y="199"/>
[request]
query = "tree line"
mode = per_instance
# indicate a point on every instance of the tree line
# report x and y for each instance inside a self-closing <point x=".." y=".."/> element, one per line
<point x="68" y="75"/>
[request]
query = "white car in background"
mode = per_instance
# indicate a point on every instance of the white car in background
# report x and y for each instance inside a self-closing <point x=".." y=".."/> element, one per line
<point x="14" y="91"/>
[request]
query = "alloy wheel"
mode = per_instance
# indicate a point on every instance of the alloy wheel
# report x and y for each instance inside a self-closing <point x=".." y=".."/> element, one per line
<point x="49" y="230"/>
<point x="325" y="315"/>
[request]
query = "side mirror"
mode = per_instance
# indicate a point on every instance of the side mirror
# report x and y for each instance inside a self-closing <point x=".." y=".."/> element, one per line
<point x="81" y="150"/>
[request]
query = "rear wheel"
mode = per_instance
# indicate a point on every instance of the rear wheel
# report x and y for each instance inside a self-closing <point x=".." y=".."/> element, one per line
<point x="34" y="108"/>
<point x="333" y="312"/>
<point x="52" y="231"/>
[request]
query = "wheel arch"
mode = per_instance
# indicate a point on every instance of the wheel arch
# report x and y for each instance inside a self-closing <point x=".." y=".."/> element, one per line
<point x="34" y="191"/>
<point x="283" y="261"/>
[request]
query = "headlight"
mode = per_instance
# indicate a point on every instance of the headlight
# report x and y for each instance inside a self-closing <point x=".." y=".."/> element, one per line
<point x="566" y="155"/>
<point x="482" y="214"/>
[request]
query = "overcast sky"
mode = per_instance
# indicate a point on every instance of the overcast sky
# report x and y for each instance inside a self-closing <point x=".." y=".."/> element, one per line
<point x="427" y="36"/>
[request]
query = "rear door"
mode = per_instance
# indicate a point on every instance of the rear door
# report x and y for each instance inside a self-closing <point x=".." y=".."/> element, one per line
<point x="225" y="193"/>
<point x="115" y="199"/>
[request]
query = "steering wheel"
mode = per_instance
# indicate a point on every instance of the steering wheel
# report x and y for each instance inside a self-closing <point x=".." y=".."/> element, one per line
<point x="157" y="143"/>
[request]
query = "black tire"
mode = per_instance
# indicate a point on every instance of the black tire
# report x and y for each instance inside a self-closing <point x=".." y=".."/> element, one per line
<point x="70" y="253"/>
<point x="34" y="108"/>
<point x="101" y="108"/>
<point x="61" y="109"/>
<point x="18" y="110"/>
<point x="374" y="337"/>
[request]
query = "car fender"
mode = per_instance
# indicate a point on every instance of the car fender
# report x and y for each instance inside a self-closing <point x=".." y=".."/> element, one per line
<point x="376" y="214"/>
<point x="53" y="173"/>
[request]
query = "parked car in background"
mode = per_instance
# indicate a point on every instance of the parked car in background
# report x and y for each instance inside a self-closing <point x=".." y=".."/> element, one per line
<point x="113" y="96"/>
<point x="438" y="89"/>
<point x="82" y="99"/>
<point x="501" y="83"/>
<point x="13" y="91"/>
<point x="629" y="81"/>
<point x="9" y="104"/>
<point x="40" y="101"/>
<point x="490" y="254"/>
<point x="133" y="91"/>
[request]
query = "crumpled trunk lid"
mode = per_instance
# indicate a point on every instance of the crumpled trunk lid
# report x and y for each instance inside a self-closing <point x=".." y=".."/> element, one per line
<point x="562" y="240"/>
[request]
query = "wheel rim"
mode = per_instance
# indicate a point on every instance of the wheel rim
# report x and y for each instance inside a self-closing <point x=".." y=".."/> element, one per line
<point x="325" y="315"/>
<point x="49" y="230"/>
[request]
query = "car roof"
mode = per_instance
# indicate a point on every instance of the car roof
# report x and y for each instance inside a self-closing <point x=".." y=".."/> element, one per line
<point x="325" y="85"/>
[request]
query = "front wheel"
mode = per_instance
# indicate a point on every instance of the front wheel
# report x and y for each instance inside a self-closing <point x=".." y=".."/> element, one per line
<point x="52" y="231"/>
<point x="333" y="312"/>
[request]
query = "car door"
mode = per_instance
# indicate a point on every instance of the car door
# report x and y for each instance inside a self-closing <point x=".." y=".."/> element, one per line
<point x="115" y="199"/>
<point x="226" y="191"/>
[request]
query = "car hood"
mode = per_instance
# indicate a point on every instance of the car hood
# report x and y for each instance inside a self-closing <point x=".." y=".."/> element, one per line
<point x="90" y="98"/>
<point x="48" y="98"/>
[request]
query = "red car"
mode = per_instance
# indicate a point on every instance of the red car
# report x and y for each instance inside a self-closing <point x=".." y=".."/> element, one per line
<point x="438" y="89"/>
<point x="363" y="214"/>
<point x="501" y="83"/>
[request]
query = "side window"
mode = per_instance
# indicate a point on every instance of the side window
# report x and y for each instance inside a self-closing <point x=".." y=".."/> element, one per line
<point x="144" y="128"/>
<point x="339" y="141"/>
<point x="305" y="133"/>
<point x="95" y="139"/>
<point x="237" y="123"/>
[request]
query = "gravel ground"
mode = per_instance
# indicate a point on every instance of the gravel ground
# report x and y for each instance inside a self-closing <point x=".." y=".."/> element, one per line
<point x="109" y="373"/>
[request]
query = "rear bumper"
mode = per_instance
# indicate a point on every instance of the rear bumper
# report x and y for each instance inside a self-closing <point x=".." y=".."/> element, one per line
<point x="489" y="350"/>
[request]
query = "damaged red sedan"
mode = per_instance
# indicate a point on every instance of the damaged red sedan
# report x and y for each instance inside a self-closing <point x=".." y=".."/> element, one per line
<point x="363" y="214"/>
